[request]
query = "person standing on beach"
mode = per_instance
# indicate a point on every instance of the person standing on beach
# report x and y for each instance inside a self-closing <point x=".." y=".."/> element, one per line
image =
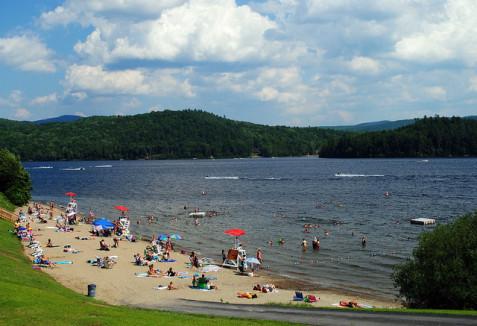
<point x="259" y="255"/>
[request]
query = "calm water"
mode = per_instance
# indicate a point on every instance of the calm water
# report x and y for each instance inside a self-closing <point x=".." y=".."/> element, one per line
<point x="273" y="198"/>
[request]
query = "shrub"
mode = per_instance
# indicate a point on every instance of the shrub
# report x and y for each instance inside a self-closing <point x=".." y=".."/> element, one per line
<point x="14" y="179"/>
<point x="442" y="272"/>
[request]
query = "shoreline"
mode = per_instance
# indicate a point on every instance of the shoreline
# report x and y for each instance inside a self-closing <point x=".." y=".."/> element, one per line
<point x="120" y="286"/>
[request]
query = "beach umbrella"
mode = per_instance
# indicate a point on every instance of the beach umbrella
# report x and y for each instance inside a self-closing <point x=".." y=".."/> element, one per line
<point x="71" y="214"/>
<point x="252" y="260"/>
<point x="175" y="236"/>
<point x="235" y="232"/>
<point x="70" y="194"/>
<point x="162" y="237"/>
<point x="22" y="228"/>
<point x="121" y="208"/>
<point x="104" y="223"/>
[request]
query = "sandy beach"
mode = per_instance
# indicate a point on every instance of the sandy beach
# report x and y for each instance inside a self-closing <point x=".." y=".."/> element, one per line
<point x="120" y="285"/>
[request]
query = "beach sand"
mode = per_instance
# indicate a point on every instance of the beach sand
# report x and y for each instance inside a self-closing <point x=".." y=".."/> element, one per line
<point x="120" y="286"/>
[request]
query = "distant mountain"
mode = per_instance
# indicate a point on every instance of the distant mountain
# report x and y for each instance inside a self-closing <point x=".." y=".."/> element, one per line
<point x="63" y="118"/>
<point x="381" y="125"/>
<point x="374" y="126"/>
<point x="157" y="135"/>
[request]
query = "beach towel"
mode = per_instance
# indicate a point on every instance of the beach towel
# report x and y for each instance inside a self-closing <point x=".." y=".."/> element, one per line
<point x="167" y="260"/>
<point x="161" y="287"/>
<point x="199" y="289"/>
<point x="140" y="274"/>
<point x="210" y="268"/>
<point x="63" y="262"/>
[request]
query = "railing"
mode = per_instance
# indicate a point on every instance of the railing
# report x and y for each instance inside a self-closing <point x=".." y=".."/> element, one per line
<point x="6" y="215"/>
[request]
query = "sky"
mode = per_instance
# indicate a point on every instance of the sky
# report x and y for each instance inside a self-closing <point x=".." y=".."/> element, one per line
<point x="276" y="62"/>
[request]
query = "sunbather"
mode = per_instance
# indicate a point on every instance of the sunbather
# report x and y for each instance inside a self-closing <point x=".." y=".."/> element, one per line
<point x="152" y="272"/>
<point x="170" y="272"/>
<point x="171" y="286"/>
<point x="103" y="245"/>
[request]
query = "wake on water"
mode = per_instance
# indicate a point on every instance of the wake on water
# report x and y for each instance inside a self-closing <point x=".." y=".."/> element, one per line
<point x="350" y="175"/>
<point x="245" y="178"/>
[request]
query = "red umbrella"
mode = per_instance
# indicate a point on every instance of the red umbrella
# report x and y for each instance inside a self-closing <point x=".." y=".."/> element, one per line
<point x="70" y="194"/>
<point x="235" y="232"/>
<point x="121" y="208"/>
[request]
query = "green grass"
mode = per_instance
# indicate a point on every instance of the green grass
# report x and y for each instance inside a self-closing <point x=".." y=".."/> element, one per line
<point x="396" y="310"/>
<point x="5" y="203"/>
<point x="29" y="297"/>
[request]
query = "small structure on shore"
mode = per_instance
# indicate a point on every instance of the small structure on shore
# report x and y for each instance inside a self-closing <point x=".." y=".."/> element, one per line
<point x="423" y="221"/>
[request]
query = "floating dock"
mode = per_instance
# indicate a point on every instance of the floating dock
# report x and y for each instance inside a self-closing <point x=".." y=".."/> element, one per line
<point x="423" y="221"/>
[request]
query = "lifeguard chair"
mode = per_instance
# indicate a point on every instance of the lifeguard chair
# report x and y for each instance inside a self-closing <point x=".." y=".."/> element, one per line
<point x="233" y="256"/>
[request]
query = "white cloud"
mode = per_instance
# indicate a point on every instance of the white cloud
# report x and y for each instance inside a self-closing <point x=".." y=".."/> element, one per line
<point x="473" y="83"/>
<point x="41" y="100"/>
<point x="27" y="53"/>
<point x="22" y="113"/>
<point x="84" y="11"/>
<point x="449" y="34"/>
<point x="14" y="99"/>
<point x="95" y="79"/>
<point x="365" y="65"/>
<point x="79" y="96"/>
<point x="436" y="92"/>
<point x="81" y="114"/>
<point x="193" y="30"/>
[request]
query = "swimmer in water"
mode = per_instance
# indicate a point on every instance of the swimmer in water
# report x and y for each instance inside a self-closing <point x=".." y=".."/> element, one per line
<point x="364" y="240"/>
<point x="327" y="233"/>
<point x="316" y="243"/>
<point x="270" y="243"/>
<point x="281" y="241"/>
<point x="304" y="244"/>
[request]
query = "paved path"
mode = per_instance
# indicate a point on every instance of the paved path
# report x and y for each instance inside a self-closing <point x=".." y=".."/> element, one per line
<point x="320" y="316"/>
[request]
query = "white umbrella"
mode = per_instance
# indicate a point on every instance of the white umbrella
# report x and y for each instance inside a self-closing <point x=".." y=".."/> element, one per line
<point x="71" y="214"/>
<point x="252" y="260"/>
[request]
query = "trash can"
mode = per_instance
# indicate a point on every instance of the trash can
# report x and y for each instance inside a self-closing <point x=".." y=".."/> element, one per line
<point x="91" y="290"/>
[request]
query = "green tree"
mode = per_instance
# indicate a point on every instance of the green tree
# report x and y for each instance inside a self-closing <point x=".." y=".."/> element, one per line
<point x="14" y="179"/>
<point x="442" y="272"/>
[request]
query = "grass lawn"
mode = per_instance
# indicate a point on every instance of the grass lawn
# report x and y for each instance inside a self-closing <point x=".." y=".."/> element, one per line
<point x="5" y="203"/>
<point x="29" y="297"/>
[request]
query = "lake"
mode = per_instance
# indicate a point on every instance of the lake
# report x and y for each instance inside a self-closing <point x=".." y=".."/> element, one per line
<point x="273" y="198"/>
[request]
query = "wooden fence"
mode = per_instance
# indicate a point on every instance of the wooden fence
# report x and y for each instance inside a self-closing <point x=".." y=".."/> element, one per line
<point x="6" y="215"/>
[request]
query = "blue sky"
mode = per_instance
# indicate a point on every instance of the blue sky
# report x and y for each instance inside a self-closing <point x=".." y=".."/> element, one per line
<point x="287" y="62"/>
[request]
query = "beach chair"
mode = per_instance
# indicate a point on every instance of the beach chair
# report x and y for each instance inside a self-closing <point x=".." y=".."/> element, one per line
<point x="298" y="296"/>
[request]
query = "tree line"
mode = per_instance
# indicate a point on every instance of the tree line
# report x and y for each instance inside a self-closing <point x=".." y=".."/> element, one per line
<point x="428" y="137"/>
<point x="157" y="135"/>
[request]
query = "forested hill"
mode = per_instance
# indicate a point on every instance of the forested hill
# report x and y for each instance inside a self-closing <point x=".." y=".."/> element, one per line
<point x="428" y="137"/>
<point x="157" y="135"/>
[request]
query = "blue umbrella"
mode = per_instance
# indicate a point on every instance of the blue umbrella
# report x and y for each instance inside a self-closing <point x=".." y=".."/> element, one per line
<point x="162" y="237"/>
<point x="106" y="224"/>
<point x="22" y="228"/>
<point x="175" y="236"/>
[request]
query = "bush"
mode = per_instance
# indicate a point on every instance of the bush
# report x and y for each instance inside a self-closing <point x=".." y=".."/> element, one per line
<point x="14" y="179"/>
<point x="442" y="272"/>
